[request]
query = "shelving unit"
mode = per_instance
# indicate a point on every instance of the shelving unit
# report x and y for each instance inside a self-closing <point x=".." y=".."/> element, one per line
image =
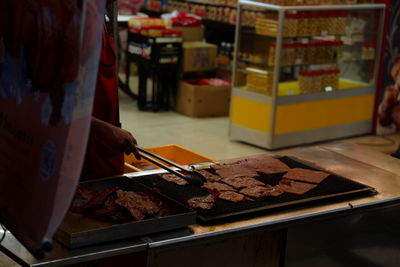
<point x="275" y="106"/>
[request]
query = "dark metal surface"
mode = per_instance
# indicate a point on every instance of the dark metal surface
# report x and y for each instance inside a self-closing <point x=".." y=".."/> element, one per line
<point x="333" y="188"/>
<point x="79" y="230"/>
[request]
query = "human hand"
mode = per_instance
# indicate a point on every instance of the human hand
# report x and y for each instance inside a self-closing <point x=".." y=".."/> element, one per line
<point x="113" y="139"/>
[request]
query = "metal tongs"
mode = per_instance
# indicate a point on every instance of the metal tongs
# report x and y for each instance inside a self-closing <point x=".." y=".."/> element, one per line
<point x="192" y="176"/>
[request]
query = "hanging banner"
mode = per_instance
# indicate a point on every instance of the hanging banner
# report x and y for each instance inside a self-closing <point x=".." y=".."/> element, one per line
<point x="49" y="56"/>
<point x="388" y="113"/>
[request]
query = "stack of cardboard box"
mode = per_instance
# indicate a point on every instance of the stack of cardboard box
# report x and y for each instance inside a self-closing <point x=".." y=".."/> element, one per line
<point x="200" y="100"/>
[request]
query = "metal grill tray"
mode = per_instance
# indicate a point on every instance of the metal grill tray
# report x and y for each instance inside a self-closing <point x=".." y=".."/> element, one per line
<point x="334" y="187"/>
<point x="79" y="230"/>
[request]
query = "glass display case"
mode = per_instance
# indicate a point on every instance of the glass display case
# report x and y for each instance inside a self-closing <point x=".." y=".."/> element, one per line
<point x="304" y="74"/>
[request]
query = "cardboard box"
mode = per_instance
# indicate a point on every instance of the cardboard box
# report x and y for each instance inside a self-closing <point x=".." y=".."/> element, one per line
<point x="199" y="56"/>
<point x="202" y="101"/>
<point x="191" y="34"/>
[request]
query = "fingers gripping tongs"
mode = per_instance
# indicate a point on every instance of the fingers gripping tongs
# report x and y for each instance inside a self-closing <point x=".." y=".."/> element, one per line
<point x="191" y="176"/>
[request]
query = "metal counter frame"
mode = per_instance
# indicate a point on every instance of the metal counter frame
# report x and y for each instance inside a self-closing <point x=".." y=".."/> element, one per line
<point x="273" y="121"/>
<point x="349" y="160"/>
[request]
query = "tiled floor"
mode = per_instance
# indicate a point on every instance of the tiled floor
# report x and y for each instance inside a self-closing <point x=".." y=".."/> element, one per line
<point x="207" y="136"/>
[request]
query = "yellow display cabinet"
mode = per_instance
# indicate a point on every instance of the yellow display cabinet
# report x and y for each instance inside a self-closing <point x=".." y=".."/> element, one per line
<point x="304" y="74"/>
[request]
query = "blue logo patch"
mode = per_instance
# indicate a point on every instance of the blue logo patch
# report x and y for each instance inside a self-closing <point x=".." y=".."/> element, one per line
<point x="48" y="158"/>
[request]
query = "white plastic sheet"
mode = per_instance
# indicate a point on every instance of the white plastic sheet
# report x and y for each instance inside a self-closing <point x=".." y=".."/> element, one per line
<point x="49" y="56"/>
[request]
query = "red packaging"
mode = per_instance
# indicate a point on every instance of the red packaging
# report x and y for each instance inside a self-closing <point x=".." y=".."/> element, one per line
<point x="184" y="20"/>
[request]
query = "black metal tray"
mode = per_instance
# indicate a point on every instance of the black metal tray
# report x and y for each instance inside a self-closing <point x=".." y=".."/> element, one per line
<point x="333" y="188"/>
<point x="79" y="230"/>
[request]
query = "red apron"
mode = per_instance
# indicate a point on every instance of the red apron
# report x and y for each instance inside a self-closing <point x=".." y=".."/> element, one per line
<point x="100" y="163"/>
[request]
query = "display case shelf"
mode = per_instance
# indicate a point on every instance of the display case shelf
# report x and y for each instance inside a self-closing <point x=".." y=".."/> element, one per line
<point x="276" y="104"/>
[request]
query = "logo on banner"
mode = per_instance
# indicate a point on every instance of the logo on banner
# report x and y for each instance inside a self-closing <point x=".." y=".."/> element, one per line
<point x="48" y="158"/>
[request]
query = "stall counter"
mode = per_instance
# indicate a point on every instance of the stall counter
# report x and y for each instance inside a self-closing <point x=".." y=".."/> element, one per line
<point x="292" y="237"/>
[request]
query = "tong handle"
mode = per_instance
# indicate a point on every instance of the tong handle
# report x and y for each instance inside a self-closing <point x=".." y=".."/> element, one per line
<point x="159" y="164"/>
<point x="161" y="159"/>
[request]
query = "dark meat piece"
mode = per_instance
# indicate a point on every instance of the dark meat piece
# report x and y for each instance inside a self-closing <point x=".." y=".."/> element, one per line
<point x="305" y="175"/>
<point x="173" y="179"/>
<point x="114" y="211"/>
<point x="231" y="171"/>
<point x="81" y="199"/>
<point x="205" y="202"/>
<point x="277" y="191"/>
<point x="260" y="191"/>
<point x="222" y="166"/>
<point x="134" y="201"/>
<point x="293" y="187"/>
<point x="164" y="211"/>
<point x="233" y="196"/>
<point x="209" y="176"/>
<point x="109" y="206"/>
<point x="82" y="204"/>
<point x="240" y="182"/>
<point x="119" y="205"/>
<point x="217" y="187"/>
<point x="265" y="164"/>
<point x="100" y="197"/>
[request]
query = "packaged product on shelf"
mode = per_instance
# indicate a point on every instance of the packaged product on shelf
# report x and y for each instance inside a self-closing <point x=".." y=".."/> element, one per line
<point x="341" y="22"/>
<point x="303" y="25"/>
<point x="189" y="25"/>
<point x="220" y="13"/>
<point x="227" y="12"/>
<point x="330" y="51"/>
<point x="320" y="53"/>
<point x="211" y="13"/>
<point x="317" y="81"/>
<point x="312" y="81"/>
<point x="271" y="54"/>
<point x="331" y="79"/>
<point x="259" y="80"/>
<point x="231" y="3"/>
<point x="311" y="2"/>
<point x="288" y="54"/>
<point x="137" y="23"/>
<point x="232" y="17"/>
<point x="152" y="30"/>
<point x="290" y="25"/>
<point x="311" y="53"/>
<point x="325" y="84"/>
<point x="285" y="55"/>
<point x="368" y="51"/>
<point x="314" y="24"/>
<point x="300" y="53"/>
<point x="331" y="24"/>
<point x="305" y="81"/>
<point x="266" y="26"/>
